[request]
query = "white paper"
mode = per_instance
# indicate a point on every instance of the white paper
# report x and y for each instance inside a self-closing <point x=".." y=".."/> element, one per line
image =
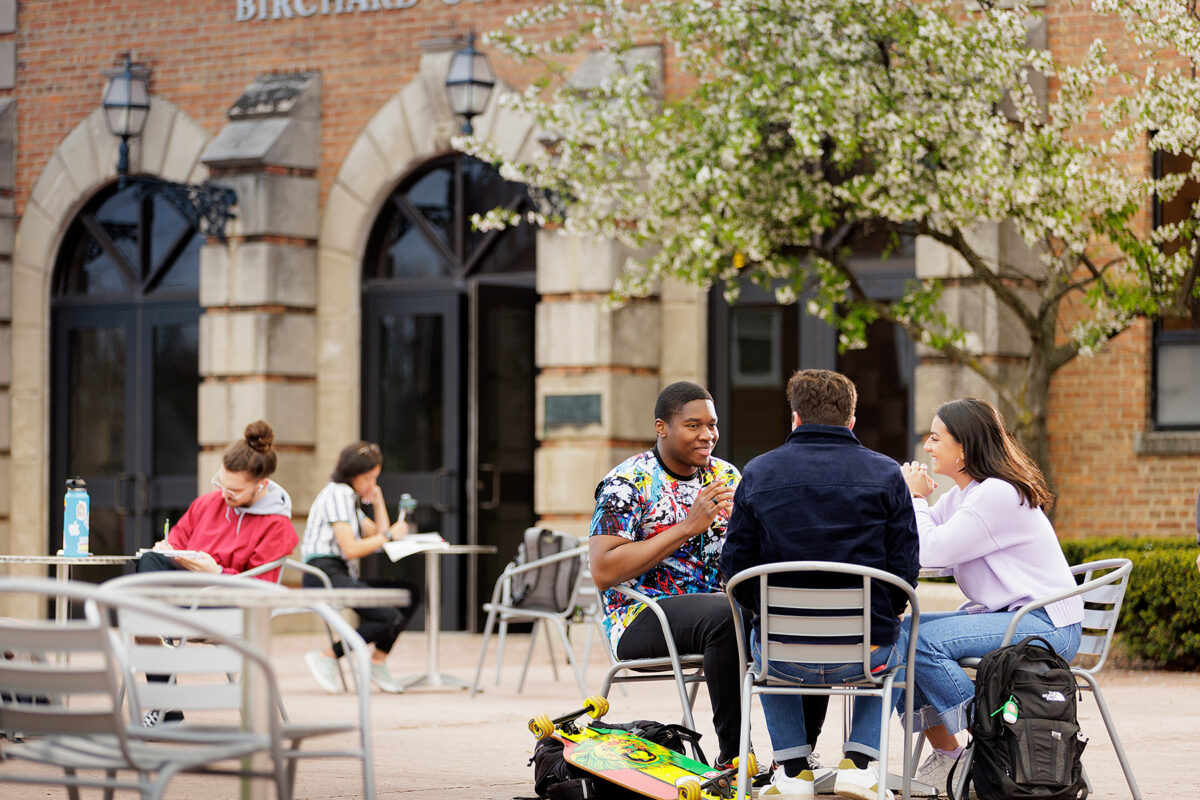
<point x="414" y="543"/>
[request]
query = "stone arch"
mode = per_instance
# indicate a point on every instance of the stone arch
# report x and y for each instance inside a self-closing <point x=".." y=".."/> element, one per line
<point x="83" y="163"/>
<point x="414" y="125"/>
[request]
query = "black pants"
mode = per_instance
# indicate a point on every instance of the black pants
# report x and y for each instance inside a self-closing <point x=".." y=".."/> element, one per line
<point x="703" y="623"/>
<point x="156" y="562"/>
<point x="377" y="626"/>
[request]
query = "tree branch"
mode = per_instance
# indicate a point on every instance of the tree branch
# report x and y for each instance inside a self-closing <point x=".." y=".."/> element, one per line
<point x="979" y="268"/>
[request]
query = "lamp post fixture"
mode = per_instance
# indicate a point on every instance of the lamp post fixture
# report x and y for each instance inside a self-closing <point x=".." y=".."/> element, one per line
<point x="469" y="83"/>
<point x="126" y="105"/>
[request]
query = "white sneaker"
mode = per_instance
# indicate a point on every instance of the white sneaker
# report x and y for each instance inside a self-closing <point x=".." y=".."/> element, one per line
<point x="384" y="680"/>
<point x="783" y="788"/>
<point x="819" y="771"/>
<point x="935" y="770"/>
<point x="860" y="784"/>
<point x="324" y="671"/>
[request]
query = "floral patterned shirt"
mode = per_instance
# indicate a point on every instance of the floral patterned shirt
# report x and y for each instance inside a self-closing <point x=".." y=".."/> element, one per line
<point x="639" y="499"/>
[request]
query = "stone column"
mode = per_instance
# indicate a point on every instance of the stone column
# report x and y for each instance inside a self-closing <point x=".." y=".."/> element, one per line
<point x="258" y="292"/>
<point x="599" y="375"/>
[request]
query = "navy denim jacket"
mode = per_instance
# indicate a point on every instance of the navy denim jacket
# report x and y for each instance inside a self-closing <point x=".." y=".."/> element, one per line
<point x="823" y="496"/>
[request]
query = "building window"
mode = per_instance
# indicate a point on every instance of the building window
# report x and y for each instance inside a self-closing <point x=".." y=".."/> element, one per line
<point x="1176" y="348"/>
<point x="1177" y="371"/>
<point x="756" y="346"/>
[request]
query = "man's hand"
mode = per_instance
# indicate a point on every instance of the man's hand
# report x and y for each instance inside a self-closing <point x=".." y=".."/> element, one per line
<point x="202" y="563"/>
<point x="712" y="500"/>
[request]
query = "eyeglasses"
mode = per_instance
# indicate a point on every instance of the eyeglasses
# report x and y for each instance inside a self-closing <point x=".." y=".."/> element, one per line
<point x="232" y="494"/>
<point x="369" y="449"/>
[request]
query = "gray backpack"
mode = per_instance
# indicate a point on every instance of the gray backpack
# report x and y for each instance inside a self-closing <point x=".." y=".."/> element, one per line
<point x="548" y="588"/>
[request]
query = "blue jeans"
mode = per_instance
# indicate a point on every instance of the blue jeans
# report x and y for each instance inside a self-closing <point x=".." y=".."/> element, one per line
<point x="785" y="712"/>
<point x="943" y="689"/>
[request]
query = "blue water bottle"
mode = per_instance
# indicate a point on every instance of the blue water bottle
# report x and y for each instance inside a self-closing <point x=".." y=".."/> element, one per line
<point x="76" y="512"/>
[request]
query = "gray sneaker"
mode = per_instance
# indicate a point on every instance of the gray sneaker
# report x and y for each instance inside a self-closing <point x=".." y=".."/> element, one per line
<point x="324" y="671"/>
<point x="384" y="680"/>
<point x="935" y="769"/>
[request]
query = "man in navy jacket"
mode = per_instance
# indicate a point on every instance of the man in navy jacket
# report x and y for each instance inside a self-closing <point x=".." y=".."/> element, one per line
<point x="824" y="496"/>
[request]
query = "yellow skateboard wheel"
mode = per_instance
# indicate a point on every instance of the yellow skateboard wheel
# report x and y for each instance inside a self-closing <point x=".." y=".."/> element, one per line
<point x="541" y="727"/>
<point x="689" y="790"/>
<point x="751" y="764"/>
<point x="596" y="706"/>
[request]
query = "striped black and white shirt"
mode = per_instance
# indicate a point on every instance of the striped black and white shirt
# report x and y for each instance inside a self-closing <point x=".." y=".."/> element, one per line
<point x="337" y="502"/>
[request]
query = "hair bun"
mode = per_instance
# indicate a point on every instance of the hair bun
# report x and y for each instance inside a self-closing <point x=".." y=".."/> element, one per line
<point x="259" y="436"/>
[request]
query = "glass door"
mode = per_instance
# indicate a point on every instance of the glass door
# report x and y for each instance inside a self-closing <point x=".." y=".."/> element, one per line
<point x="124" y="368"/>
<point x="412" y="381"/>
<point x="501" y="430"/>
<point x="126" y="418"/>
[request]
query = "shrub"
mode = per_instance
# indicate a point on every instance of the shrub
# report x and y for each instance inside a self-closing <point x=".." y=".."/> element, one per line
<point x="1160" y="619"/>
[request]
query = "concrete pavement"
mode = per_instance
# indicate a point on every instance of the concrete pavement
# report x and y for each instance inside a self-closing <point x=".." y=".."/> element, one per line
<point x="445" y="744"/>
<point x="441" y="743"/>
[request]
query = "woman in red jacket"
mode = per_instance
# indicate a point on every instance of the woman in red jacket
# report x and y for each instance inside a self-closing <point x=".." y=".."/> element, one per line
<point x="243" y="523"/>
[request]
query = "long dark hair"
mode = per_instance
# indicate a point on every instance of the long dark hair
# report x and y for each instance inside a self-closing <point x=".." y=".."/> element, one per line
<point x="990" y="451"/>
<point x="254" y="453"/>
<point x="354" y="460"/>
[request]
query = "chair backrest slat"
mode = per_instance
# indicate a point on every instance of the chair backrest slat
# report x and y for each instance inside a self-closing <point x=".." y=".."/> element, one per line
<point x="793" y="597"/>
<point x="184" y="696"/>
<point x="1091" y="645"/>
<point x="226" y="620"/>
<point x="1105" y="595"/>
<point x="794" y="625"/>
<point x="815" y="653"/>
<point x="37" y="720"/>
<point x="191" y="659"/>
<point x="1099" y="618"/>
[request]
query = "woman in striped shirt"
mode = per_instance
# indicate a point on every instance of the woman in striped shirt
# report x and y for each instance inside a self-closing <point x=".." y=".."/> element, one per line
<point x="338" y="533"/>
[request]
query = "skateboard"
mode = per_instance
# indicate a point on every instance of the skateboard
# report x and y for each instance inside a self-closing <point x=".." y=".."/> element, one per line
<point x="630" y="761"/>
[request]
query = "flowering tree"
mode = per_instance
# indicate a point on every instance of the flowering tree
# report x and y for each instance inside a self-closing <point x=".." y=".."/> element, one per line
<point x="812" y="126"/>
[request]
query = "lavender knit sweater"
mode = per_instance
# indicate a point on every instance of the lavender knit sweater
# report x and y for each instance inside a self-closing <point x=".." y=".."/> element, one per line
<point x="1002" y="552"/>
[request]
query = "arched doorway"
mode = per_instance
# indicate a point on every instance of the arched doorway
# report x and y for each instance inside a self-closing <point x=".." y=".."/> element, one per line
<point x="448" y="366"/>
<point x="124" y="365"/>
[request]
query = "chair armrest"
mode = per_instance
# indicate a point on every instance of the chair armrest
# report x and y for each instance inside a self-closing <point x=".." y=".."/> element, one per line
<point x="661" y="615"/>
<point x="264" y="568"/>
<point x="517" y="569"/>
<point x="1120" y="566"/>
<point x="308" y="569"/>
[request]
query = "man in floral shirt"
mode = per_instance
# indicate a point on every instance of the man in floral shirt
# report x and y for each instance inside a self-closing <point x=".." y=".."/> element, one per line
<point x="658" y="528"/>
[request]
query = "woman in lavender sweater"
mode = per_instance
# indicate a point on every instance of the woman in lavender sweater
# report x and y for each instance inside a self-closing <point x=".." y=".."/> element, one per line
<point x="989" y="529"/>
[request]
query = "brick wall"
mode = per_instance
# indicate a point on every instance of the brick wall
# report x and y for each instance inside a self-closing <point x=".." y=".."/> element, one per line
<point x="202" y="59"/>
<point x="1100" y="404"/>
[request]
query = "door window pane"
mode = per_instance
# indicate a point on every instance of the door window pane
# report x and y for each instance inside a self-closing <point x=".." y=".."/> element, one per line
<point x="411" y="392"/>
<point x="176" y="386"/>
<point x="96" y="399"/>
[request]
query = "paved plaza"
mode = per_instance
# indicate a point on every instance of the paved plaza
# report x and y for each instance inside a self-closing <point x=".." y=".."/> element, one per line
<point x="444" y="745"/>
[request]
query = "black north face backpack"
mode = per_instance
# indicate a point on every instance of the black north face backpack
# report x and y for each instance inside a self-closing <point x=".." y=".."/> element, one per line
<point x="1025" y="740"/>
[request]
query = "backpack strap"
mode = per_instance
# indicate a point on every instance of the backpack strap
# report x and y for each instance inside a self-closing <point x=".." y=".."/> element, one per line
<point x="964" y="759"/>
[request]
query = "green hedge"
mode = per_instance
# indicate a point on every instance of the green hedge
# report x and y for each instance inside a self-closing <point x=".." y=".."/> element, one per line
<point x="1160" y="619"/>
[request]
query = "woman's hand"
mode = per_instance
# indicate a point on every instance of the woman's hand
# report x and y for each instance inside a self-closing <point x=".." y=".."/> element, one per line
<point x="916" y="475"/>
<point x="203" y="562"/>
<point x="373" y="494"/>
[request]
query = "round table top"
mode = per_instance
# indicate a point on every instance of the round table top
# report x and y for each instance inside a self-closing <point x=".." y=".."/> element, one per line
<point x="270" y="598"/>
<point x="459" y="549"/>
<point x="75" y="561"/>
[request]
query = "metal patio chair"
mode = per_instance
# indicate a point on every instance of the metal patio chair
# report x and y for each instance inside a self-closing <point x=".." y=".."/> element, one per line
<point x="794" y="627"/>
<point x="70" y="712"/>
